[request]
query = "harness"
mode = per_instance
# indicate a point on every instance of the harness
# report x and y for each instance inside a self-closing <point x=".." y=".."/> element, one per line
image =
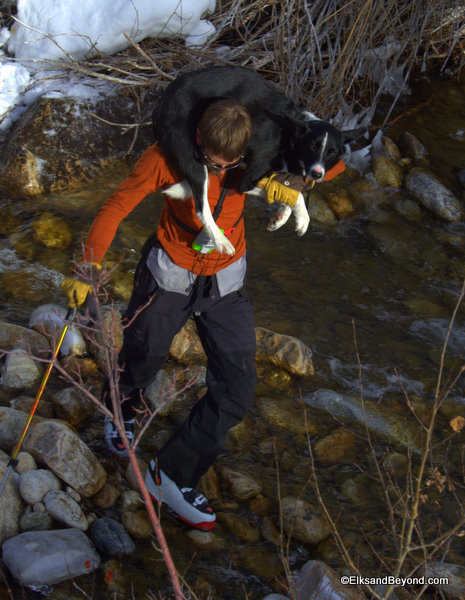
<point x="216" y="212"/>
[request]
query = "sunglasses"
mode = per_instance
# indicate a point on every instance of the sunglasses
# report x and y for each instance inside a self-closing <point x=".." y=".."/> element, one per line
<point x="210" y="163"/>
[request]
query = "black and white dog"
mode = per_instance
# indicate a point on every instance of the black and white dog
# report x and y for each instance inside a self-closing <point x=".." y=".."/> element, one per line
<point x="284" y="138"/>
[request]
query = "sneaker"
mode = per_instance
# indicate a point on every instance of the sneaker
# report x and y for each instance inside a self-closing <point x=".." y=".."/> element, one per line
<point x="190" y="505"/>
<point x="113" y="438"/>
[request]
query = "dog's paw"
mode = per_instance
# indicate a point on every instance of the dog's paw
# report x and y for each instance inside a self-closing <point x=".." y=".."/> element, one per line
<point x="280" y="217"/>
<point x="222" y="244"/>
<point x="302" y="218"/>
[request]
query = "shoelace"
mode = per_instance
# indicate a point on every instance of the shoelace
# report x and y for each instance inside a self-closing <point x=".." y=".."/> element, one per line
<point x="199" y="498"/>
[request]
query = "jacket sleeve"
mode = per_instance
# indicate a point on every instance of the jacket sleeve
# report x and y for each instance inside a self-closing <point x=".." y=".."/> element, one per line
<point x="148" y="175"/>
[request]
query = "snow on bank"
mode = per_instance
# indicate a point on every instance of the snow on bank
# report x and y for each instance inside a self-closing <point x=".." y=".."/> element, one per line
<point x="82" y="28"/>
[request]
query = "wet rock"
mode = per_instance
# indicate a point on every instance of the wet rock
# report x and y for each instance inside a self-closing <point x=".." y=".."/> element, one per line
<point x="301" y="521"/>
<point x="19" y="371"/>
<point x="186" y="346"/>
<point x="209" y="484"/>
<point x="317" y="581"/>
<point x="81" y="146"/>
<point x="161" y="393"/>
<point x="39" y="558"/>
<point x="340" y="203"/>
<point x="239" y="526"/>
<point x="275" y="597"/>
<point x="72" y="405"/>
<point x="34" y="484"/>
<point x="110" y="537"/>
<point x="284" y="351"/>
<point x="411" y="146"/>
<point x="12" y="336"/>
<point x="106" y="496"/>
<point x="24" y="403"/>
<point x="52" y="231"/>
<point x="108" y="334"/>
<point x="242" y="487"/>
<point x="335" y="447"/>
<point x="407" y="208"/>
<point x="378" y="419"/>
<point x="455" y="588"/>
<point x="391" y="148"/>
<point x="130" y="501"/>
<point x="63" y="451"/>
<point x="260" y="561"/>
<point x="205" y="540"/>
<point x="387" y="173"/>
<point x="25" y="462"/>
<point x="35" y="521"/>
<point x="65" y="509"/>
<point x="131" y="476"/>
<point x="288" y="414"/>
<point x="137" y="523"/>
<point x="49" y="319"/>
<point x="11" y="505"/>
<point x="261" y="506"/>
<point x="319" y="210"/>
<point x="11" y="425"/>
<point x="434" y="195"/>
<point x="270" y="532"/>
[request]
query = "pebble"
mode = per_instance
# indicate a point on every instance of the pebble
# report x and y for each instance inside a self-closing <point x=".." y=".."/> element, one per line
<point x="65" y="509"/>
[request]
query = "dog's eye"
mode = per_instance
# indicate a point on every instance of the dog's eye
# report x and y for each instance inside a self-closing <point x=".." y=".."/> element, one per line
<point x="331" y="152"/>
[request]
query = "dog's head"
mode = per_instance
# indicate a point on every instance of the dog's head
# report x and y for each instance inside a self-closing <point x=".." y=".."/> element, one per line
<point x="316" y="146"/>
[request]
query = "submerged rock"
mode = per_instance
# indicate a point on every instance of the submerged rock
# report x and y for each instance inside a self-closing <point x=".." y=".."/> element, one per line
<point x="434" y="195"/>
<point x="302" y="522"/>
<point x="387" y="172"/>
<point x="284" y="351"/>
<point x="317" y="581"/>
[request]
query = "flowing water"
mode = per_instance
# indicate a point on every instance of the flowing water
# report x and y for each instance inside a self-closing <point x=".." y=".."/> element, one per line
<point x="372" y="297"/>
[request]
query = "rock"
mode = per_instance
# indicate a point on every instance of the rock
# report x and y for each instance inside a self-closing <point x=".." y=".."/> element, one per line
<point x="301" y="521"/>
<point x="209" y="485"/>
<point x="49" y="319"/>
<point x="270" y="532"/>
<point x="38" y="558"/>
<point x="205" y="540"/>
<point x="410" y="146"/>
<point x="11" y="505"/>
<point x="35" y="521"/>
<point x="260" y="560"/>
<point x="34" y="484"/>
<point x="239" y="526"/>
<point x="130" y="501"/>
<point x="110" y="537"/>
<point x="106" y="496"/>
<point x="335" y="447"/>
<point x="378" y="419"/>
<point x="11" y="426"/>
<point x="317" y="581"/>
<point x="276" y="597"/>
<point x="108" y="334"/>
<point x="19" y="371"/>
<point x="63" y="451"/>
<point x="25" y="462"/>
<point x="284" y="351"/>
<point x="73" y="406"/>
<point x="186" y="346"/>
<point x="81" y="146"/>
<point x="243" y="487"/>
<point x="391" y="148"/>
<point x="137" y="523"/>
<point x="434" y="195"/>
<point x="52" y="231"/>
<point x="340" y="203"/>
<point x="288" y="414"/>
<point x="261" y="506"/>
<point x="131" y="476"/>
<point x="161" y="393"/>
<point x="319" y="210"/>
<point x="20" y="337"/>
<point x="25" y="403"/>
<point x="65" y="509"/>
<point x="454" y="574"/>
<point x="387" y="173"/>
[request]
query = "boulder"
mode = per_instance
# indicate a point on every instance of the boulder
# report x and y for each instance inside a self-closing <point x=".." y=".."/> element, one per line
<point x="20" y="371"/>
<point x="54" y="444"/>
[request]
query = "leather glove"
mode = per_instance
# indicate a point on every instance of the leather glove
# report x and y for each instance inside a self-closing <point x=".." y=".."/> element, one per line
<point x="283" y="187"/>
<point x="76" y="290"/>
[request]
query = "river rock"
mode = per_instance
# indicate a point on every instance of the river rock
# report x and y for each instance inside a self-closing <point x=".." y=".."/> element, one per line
<point x="391" y="148"/>
<point x="24" y="403"/>
<point x="239" y="526"/>
<point x="108" y="336"/>
<point x="11" y="425"/>
<point x="130" y="501"/>
<point x="387" y="172"/>
<point x="288" y="414"/>
<point x="110" y="537"/>
<point x="243" y="487"/>
<point x="317" y="581"/>
<point x="411" y="146"/>
<point x="35" y="521"/>
<point x="38" y="558"/>
<point x="378" y="419"/>
<point x="319" y="210"/>
<point x="54" y="444"/>
<point x="335" y="447"/>
<point x="206" y="540"/>
<point x="52" y="231"/>
<point x="106" y="496"/>
<point x="25" y="462"/>
<point x="301" y="521"/>
<point x="11" y="505"/>
<point x="340" y="203"/>
<point x="284" y="351"/>
<point x="72" y="405"/>
<point x="81" y="146"/>
<point x="455" y="574"/>
<point x="161" y="393"/>
<point x="65" y="509"/>
<point x="16" y="336"/>
<point x="34" y="484"/>
<point x="137" y="523"/>
<point x="50" y="319"/>
<point x="20" y="371"/>
<point x="434" y="195"/>
<point x="186" y="346"/>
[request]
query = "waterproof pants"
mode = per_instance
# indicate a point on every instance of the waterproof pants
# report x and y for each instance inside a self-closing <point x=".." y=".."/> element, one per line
<point x="226" y="329"/>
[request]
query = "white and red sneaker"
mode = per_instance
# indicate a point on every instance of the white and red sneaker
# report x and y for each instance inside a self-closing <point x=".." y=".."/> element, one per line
<point x="190" y="505"/>
<point x="113" y="438"/>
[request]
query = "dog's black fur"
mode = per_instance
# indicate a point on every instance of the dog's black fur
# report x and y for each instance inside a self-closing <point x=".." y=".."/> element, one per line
<point x="284" y="137"/>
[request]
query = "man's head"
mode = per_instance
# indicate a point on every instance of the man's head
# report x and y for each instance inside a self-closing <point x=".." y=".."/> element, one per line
<point x="223" y="133"/>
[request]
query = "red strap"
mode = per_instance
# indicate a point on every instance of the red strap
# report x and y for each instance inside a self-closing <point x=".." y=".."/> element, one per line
<point x="339" y="167"/>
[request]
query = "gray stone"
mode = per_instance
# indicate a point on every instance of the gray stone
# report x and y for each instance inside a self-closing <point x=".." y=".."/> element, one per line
<point x="434" y="195"/>
<point x="243" y="487"/>
<point x="161" y="393"/>
<point x="38" y="558"/>
<point x="11" y="425"/>
<point x="110" y="537"/>
<point x="284" y="351"/>
<point x="35" y="521"/>
<point x="302" y="521"/>
<point x="65" y="509"/>
<point x="54" y="444"/>
<point x="34" y="484"/>
<point x="72" y="405"/>
<point x="11" y="505"/>
<point x="20" y="371"/>
<point x="12" y="335"/>
<point x="411" y="146"/>
<point x="317" y="581"/>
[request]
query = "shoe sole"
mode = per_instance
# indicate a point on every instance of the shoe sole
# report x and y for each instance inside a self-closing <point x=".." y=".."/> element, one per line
<point x="203" y="525"/>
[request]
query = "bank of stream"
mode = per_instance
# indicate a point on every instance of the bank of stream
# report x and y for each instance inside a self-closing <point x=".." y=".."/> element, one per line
<point x="372" y="296"/>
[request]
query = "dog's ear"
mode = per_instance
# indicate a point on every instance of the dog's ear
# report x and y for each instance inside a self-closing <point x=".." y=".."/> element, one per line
<point x="352" y="134"/>
<point x="297" y="126"/>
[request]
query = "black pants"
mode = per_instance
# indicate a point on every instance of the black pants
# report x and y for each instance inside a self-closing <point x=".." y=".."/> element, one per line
<point x="226" y="329"/>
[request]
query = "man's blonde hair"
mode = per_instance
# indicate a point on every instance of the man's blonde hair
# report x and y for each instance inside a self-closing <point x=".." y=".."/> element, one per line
<point x="225" y="128"/>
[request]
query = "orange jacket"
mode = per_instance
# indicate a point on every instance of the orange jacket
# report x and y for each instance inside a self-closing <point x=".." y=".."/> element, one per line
<point x="150" y="174"/>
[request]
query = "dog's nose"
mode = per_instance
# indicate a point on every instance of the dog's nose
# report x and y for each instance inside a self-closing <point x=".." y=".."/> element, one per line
<point x="317" y="173"/>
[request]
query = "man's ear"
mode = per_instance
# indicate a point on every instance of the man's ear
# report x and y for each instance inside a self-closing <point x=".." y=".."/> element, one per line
<point x="198" y="137"/>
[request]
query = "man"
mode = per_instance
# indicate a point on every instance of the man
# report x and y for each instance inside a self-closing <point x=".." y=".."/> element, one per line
<point x="178" y="277"/>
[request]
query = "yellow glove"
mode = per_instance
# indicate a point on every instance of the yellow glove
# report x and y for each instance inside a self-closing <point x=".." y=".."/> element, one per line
<point x="283" y="187"/>
<point x="76" y="290"/>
